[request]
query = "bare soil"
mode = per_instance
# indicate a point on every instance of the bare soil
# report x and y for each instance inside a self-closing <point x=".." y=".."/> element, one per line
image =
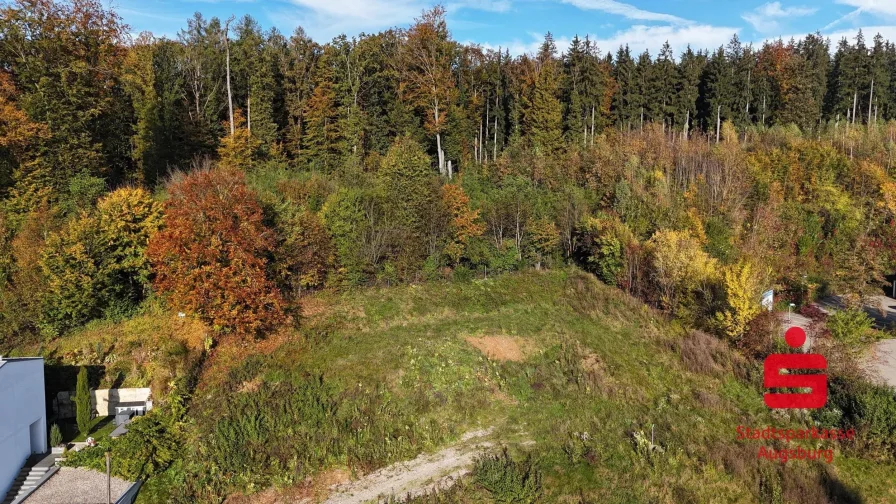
<point x="502" y="348"/>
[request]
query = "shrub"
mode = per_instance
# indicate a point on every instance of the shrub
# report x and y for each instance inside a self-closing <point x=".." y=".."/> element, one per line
<point x="55" y="435"/>
<point x="758" y="339"/>
<point x="211" y="257"/>
<point x="680" y="267"/>
<point x="742" y="285"/>
<point x="849" y="326"/>
<point x="147" y="449"/>
<point x="304" y="254"/>
<point x="508" y="481"/>
<point x="868" y="408"/>
<point x="600" y="249"/>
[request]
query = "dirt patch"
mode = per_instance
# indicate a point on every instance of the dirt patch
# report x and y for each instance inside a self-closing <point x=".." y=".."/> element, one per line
<point x="597" y="375"/>
<point x="415" y="477"/>
<point x="251" y="386"/>
<point x="308" y="492"/>
<point x="311" y="306"/>
<point x="502" y="348"/>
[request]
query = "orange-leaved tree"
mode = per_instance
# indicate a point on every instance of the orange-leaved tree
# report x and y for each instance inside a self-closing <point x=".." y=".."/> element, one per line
<point x="210" y="258"/>
<point x="464" y="221"/>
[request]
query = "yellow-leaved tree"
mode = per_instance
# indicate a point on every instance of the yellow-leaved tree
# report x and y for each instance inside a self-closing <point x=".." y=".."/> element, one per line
<point x="742" y="283"/>
<point x="680" y="267"/>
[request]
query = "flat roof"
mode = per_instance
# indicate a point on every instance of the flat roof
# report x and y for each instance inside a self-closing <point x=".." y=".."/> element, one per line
<point x="13" y="360"/>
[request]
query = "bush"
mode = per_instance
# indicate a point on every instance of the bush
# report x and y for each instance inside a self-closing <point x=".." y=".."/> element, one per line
<point x="849" y="326"/>
<point x="304" y="254"/>
<point x="868" y="408"/>
<point x="508" y="481"/>
<point x="211" y="258"/>
<point x="758" y="340"/>
<point x="680" y="268"/>
<point x="55" y="435"/>
<point x="147" y="449"/>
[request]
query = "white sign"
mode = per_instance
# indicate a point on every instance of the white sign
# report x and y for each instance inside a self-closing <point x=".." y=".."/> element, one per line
<point x="768" y="299"/>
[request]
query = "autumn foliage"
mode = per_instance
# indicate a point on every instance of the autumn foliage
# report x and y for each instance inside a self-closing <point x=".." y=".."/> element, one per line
<point x="464" y="221"/>
<point x="212" y="255"/>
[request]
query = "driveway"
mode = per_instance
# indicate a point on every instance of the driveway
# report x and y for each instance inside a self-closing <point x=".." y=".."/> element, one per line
<point x="880" y="363"/>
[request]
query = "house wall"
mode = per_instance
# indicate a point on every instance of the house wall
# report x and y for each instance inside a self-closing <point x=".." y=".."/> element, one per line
<point x="103" y="401"/>
<point x="22" y="404"/>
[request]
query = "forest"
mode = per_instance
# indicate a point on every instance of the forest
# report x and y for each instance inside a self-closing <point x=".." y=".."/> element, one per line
<point x="234" y="172"/>
<point x="404" y="155"/>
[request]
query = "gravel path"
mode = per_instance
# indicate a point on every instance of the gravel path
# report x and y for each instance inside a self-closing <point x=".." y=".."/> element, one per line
<point x="414" y="477"/>
<point x="882" y="362"/>
<point x="73" y="485"/>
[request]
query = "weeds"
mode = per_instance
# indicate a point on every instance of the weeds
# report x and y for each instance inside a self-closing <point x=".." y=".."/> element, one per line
<point x="506" y="480"/>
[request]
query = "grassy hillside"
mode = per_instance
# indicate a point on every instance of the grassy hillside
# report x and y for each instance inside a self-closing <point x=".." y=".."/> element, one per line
<point x="564" y="369"/>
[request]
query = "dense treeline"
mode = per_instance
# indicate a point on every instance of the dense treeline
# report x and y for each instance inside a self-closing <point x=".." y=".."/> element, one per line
<point x="89" y="98"/>
<point x="285" y="165"/>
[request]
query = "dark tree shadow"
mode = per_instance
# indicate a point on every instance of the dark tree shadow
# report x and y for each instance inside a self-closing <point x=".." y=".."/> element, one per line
<point x="838" y="492"/>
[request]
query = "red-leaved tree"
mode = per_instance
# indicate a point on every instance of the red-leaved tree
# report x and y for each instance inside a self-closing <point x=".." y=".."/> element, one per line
<point x="210" y="258"/>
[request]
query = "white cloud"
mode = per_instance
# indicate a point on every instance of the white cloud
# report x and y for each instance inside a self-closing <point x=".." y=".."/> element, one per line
<point x="483" y="5"/>
<point x="638" y="38"/>
<point x="766" y="18"/>
<point x="625" y="10"/>
<point x="887" y="31"/>
<point x="325" y="19"/>
<point x="880" y="8"/>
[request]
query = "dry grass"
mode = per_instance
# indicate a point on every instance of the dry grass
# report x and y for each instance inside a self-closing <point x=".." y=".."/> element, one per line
<point x="502" y="348"/>
<point x="312" y="490"/>
<point x="706" y="354"/>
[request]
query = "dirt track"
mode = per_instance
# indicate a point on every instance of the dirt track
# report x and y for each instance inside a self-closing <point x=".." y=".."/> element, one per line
<point x="417" y="476"/>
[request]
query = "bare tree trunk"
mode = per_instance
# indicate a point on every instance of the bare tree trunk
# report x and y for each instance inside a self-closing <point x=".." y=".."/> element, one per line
<point x="441" y="154"/>
<point x="450" y="170"/>
<point x="687" y="124"/>
<point x="485" y="138"/>
<point x="435" y="112"/>
<point x="229" y="95"/>
<point x="747" y="110"/>
<point x="870" y="102"/>
<point x="479" y="157"/>
<point x="592" y="125"/>
<point x="495" y="145"/>
<point x="641" y="127"/>
<point x="718" y="122"/>
<point x="855" y="101"/>
<point x="249" y="113"/>
<point x="763" y="111"/>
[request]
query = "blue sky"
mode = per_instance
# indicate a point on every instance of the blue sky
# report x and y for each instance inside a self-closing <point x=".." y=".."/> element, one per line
<point x="520" y="24"/>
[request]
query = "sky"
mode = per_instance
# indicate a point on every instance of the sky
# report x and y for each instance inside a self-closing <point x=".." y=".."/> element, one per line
<point x="520" y="25"/>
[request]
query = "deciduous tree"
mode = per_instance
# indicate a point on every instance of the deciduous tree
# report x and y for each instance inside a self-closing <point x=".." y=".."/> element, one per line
<point x="211" y="257"/>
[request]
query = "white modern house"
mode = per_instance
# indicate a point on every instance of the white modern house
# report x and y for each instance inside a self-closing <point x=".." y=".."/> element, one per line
<point x="23" y="415"/>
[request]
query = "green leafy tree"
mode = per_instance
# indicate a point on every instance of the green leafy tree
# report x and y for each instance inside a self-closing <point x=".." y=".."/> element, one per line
<point x="96" y="265"/>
